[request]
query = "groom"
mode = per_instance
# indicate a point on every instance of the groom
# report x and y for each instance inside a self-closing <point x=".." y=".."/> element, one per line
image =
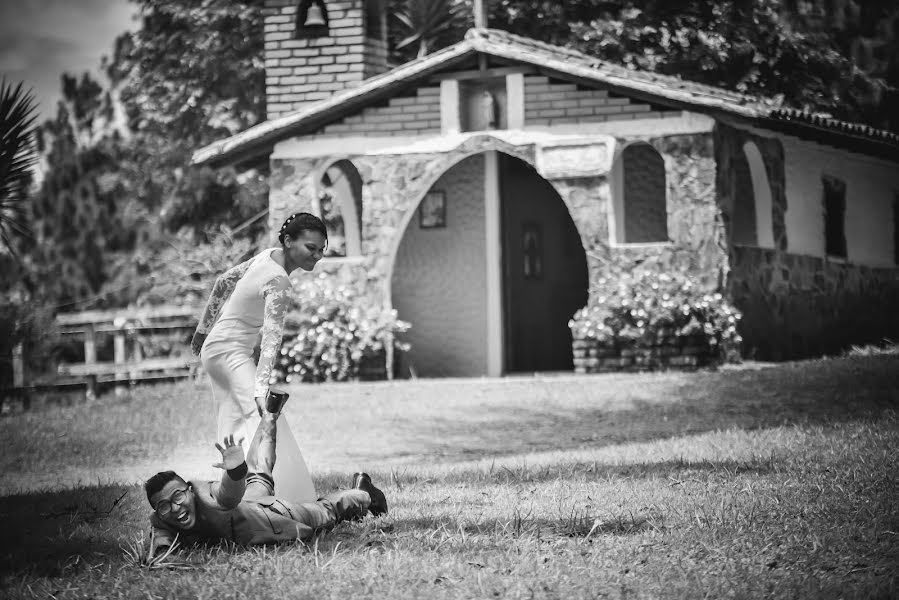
<point x="242" y="507"/>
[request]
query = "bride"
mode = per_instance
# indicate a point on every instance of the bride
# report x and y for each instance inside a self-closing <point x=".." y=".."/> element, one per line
<point x="248" y="298"/>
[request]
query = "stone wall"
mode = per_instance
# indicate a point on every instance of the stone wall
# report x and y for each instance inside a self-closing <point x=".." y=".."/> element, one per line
<point x="730" y="159"/>
<point x="393" y="185"/>
<point x="797" y="306"/>
<point x="695" y="227"/>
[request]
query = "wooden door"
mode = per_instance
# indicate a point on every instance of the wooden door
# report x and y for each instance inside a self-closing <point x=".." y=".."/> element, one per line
<point x="544" y="271"/>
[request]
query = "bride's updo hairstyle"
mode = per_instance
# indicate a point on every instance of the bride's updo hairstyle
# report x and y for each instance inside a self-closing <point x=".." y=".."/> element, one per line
<point x="299" y="222"/>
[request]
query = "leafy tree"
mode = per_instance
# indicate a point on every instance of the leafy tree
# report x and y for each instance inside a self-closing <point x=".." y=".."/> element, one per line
<point x="17" y="157"/>
<point x="83" y="212"/>
<point x="193" y="71"/>
<point x="117" y="156"/>
<point x="742" y="46"/>
<point x="21" y="320"/>
<point x="191" y="74"/>
<point x="762" y="47"/>
<point x="867" y="31"/>
<point x="421" y="26"/>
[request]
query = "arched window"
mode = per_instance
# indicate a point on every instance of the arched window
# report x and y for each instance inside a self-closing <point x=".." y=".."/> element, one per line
<point x="764" y="226"/>
<point x="742" y="214"/>
<point x="751" y="219"/>
<point x="340" y="207"/>
<point x="639" y="197"/>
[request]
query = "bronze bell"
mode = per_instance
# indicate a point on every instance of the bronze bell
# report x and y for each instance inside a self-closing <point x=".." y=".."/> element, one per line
<point x="314" y="16"/>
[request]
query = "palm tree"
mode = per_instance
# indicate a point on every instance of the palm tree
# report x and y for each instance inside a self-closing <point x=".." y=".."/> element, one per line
<point x="18" y="112"/>
<point x="431" y="24"/>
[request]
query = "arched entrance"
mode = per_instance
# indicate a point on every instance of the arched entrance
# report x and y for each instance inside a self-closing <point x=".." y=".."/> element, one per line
<point x="339" y="204"/>
<point x="489" y="270"/>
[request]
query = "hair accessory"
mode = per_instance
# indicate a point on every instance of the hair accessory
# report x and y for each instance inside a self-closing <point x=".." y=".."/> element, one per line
<point x="287" y="222"/>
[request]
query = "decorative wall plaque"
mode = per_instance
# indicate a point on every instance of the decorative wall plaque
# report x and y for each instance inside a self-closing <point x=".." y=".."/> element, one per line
<point x="580" y="160"/>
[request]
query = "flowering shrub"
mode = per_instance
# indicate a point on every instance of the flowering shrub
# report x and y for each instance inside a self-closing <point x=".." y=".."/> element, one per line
<point x="331" y="331"/>
<point x="645" y="309"/>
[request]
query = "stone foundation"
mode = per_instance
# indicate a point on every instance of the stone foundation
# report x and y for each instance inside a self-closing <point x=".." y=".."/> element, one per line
<point x="678" y="353"/>
<point x="802" y="306"/>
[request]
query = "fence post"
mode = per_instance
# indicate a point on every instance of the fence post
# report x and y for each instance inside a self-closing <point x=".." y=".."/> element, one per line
<point x="90" y="345"/>
<point x="18" y="366"/>
<point x="119" y="355"/>
<point x="137" y="353"/>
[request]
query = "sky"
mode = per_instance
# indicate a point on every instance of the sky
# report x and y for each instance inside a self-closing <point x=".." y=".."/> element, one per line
<point x="42" y="39"/>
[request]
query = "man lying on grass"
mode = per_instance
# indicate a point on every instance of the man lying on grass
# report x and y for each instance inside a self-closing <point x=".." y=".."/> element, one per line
<point x="242" y="507"/>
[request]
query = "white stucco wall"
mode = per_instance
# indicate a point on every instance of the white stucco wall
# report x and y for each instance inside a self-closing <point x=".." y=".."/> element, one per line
<point x="871" y="185"/>
<point x="440" y="280"/>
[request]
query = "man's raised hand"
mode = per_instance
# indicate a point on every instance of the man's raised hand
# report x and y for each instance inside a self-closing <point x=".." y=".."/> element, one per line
<point x="232" y="453"/>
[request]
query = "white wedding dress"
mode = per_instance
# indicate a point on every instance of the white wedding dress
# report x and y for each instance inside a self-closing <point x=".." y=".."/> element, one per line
<point x="248" y="298"/>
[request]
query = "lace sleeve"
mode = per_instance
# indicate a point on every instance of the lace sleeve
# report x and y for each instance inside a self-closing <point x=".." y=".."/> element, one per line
<point x="277" y="294"/>
<point x="221" y="291"/>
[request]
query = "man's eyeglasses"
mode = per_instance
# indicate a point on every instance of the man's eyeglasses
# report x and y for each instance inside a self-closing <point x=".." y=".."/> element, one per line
<point x="165" y="506"/>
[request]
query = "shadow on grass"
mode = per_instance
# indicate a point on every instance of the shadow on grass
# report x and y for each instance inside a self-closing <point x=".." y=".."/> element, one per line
<point x="60" y="533"/>
<point x="54" y="534"/>
<point x="810" y="393"/>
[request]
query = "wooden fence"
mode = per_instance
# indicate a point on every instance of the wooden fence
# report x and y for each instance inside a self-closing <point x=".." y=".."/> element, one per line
<point x="127" y="328"/>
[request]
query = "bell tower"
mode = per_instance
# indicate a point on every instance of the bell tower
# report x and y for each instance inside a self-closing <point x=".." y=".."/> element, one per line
<point x="314" y="48"/>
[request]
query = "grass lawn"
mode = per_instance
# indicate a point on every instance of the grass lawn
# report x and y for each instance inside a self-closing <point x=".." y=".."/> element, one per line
<point x="774" y="482"/>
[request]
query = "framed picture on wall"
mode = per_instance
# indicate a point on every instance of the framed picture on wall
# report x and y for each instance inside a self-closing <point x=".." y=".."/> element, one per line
<point x="532" y="250"/>
<point x="432" y="212"/>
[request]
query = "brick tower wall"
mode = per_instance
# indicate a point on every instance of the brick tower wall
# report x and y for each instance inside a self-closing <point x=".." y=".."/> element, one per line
<point x="299" y="72"/>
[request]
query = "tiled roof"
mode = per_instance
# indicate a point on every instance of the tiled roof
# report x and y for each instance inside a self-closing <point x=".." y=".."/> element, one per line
<point x="827" y="122"/>
<point x="501" y="44"/>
